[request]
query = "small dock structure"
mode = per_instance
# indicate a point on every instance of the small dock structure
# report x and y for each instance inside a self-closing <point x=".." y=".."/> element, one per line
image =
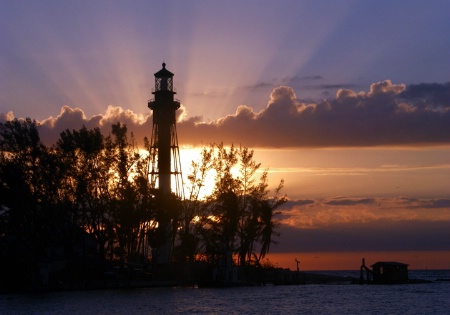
<point x="390" y="272"/>
<point x="384" y="272"/>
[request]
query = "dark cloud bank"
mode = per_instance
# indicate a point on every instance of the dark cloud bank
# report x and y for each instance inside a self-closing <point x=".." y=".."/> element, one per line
<point x="378" y="235"/>
<point x="345" y="225"/>
<point x="388" y="114"/>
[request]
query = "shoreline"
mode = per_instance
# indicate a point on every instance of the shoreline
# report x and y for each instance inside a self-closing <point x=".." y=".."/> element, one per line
<point x="280" y="278"/>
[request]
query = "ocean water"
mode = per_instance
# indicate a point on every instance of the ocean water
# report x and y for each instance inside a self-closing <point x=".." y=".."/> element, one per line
<point x="424" y="298"/>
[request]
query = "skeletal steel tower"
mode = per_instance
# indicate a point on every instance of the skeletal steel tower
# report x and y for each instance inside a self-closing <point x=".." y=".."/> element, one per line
<point x="164" y="151"/>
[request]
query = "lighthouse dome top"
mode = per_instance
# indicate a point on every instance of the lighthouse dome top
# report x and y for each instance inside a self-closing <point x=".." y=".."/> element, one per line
<point x="164" y="73"/>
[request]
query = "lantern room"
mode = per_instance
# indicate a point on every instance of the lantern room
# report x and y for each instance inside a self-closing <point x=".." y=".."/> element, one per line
<point x="164" y="80"/>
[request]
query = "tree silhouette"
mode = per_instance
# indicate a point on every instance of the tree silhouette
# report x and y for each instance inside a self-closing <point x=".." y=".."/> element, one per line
<point x="33" y="217"/>
<point x="87" y="182"/>
<point x="239" y="214"/>
<point x="94" y="187"/>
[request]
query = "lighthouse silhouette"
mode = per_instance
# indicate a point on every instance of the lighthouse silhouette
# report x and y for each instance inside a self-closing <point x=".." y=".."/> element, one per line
<point x="165" y="162"/>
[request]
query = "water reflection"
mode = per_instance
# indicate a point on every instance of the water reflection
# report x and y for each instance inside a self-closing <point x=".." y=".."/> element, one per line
<point x="329" y="299"/>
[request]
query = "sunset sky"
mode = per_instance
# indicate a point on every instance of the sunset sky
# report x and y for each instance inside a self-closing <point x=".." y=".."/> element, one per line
<point x="347" y="101"/>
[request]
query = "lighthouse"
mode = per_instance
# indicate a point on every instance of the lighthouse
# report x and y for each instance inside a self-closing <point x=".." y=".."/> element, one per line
<point x="165" y="165"/>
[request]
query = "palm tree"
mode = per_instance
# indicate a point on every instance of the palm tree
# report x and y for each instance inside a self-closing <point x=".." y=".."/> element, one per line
<point x="267" y="208"/>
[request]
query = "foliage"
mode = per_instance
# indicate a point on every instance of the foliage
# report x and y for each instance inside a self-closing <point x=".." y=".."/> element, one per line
<point x="239" y="215"/>
<point x="94" y="187"/>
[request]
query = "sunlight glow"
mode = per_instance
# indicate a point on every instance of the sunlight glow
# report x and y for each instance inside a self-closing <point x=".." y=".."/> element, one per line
<point x="189" y="155"/>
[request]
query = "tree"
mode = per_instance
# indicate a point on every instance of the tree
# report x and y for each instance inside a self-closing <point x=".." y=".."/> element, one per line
<point x="240" y="213"/>
<point x="91" y="185"/>
<point x="86" y="181"/>
<point x="32" y="215"/>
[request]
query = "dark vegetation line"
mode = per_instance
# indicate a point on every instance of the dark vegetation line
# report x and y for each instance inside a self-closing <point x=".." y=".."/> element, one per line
<point x="84" y="206"/>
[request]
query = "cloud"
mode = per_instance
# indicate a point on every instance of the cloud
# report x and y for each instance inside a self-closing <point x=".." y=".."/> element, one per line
<point x="297" y="203"/>
<point x="74" y="118"/>
<point x="414" y="203"/>
<point x="382" y="116"/>
<point x="327" y="212"/>
<point x="438" y="94"/>
<point x="381" y="235"/>
<point x="330" y="86"/>
<point x="259" y="85"/>
<point x="343" y="201"/>
<point x="296" y="79"/>
<point x="292" y="207"/>
<point x="388" y="114"/>
<point x="364" y="224"/>
<point x="6" y="116"/>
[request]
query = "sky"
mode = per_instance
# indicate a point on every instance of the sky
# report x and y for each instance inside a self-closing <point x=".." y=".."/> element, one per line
<point x="347" y="101"/>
